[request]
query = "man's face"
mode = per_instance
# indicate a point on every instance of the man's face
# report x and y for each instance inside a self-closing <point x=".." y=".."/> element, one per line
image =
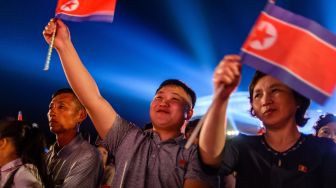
<point x="63" y="114"/>
<point x="170" y="107"/>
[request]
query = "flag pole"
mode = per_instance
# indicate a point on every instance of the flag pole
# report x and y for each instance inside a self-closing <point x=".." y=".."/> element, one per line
<point x="197" y="130"/>
<point x="51" y="45"/>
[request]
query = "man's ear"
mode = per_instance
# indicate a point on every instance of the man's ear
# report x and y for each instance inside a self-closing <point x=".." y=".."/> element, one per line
<point x="82" y="115"/>
<point x="188" y="114"/>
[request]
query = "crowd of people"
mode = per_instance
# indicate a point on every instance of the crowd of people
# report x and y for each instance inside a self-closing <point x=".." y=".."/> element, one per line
<point x="128" y="156"/>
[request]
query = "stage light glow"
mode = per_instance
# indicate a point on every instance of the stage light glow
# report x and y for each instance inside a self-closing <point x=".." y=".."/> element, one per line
<point x="157" y="56"/>
<point x="190" y="20"/>
<point x="329" y="16"/>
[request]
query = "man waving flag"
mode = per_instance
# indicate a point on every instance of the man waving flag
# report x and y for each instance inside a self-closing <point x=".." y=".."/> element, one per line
<point x="295" y="50"/>
<point x="82" y="10"/>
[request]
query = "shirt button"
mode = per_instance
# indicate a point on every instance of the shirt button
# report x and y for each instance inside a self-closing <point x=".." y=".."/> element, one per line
<point x="153" y="156"/>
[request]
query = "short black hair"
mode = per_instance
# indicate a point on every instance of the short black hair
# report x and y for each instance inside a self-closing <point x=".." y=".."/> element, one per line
<point x="302" y="101"/>
<point x="181" y="84"/>
<point x="67" y="90"/>
<point x="323" y="121"/>
<point x="62" y="91"/>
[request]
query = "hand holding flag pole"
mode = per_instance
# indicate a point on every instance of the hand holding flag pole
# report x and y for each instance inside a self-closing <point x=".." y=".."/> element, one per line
<point x="81" y="10"/>
<point x="51" y="45"/>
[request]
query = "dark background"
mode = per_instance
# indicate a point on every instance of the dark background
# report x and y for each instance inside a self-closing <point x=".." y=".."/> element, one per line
<point x="149" y="41"/>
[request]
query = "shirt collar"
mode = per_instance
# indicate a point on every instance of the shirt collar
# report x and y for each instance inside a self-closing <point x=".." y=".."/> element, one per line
<point x="178" y="140"/>
<point x="11" y="165"/>
<point x="69" y="148"/>
<point x="297" y="145"/>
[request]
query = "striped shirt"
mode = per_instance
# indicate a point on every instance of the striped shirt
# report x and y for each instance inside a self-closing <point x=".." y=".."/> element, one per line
<point x="78" y="164"/>
<point x="143" y="160"/>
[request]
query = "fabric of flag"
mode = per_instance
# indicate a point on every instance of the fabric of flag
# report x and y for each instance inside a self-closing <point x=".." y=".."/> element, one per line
<point x="86" y="10"/>
<point x="295" y="50"/>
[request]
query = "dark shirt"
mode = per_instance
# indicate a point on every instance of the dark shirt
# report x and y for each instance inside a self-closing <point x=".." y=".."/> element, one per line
<point x="311" y="162"/>
<point x="143" y="160"/>
<point x="78" y="164"/>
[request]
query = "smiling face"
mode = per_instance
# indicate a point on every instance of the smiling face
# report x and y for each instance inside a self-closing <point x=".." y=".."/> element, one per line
<point x="170" y="108"/>
<point x="273" y="102"/>
<point x="64" y="113"/>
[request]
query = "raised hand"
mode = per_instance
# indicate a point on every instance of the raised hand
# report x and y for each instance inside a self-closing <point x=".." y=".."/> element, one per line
<point x="62" y="33"/>
<point x="227" y="74"/>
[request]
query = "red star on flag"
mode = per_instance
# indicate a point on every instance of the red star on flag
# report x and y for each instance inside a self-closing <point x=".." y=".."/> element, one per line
<point x="260" y="34"/>
<point x="85" y="10"/>
<point x="69" y="5"/>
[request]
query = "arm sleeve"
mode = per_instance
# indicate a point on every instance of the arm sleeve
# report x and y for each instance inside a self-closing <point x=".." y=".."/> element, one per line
<point x="117" y="133"/>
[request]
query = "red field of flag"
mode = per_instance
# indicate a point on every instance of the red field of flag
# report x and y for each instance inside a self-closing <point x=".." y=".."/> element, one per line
<point x="295" y="50"/>
<point x="81" y="10"/>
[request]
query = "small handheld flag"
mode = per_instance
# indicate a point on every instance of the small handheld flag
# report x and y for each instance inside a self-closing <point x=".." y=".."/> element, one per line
<point x="295" y="50"/>
<point x="81" y="10"/>
<point x="86" y="10"/>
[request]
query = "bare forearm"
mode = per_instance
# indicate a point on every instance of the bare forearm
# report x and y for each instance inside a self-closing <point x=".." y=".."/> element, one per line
<point x="86" y="89"/>
<point x="213" y="134"/>
<point x="77" y="75"/>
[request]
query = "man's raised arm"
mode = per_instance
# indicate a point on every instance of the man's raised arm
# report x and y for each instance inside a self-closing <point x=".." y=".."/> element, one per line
<point x="100" y="111"/>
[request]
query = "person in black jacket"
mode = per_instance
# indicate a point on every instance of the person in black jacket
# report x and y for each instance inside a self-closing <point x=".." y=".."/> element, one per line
<point x="282" y="156"/>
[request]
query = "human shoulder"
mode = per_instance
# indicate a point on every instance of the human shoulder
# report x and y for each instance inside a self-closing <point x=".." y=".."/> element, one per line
<point x="317" y="140"/>
<point x="244" y="139"/>
<point x="239" y="149"/>
<point x="320" y="144"/>
<point x="241" y="144"/>
<point x="87" y="150"/>
<point x="123" y="134"/>
<point x="27" y="176"/>
<point x="120" y="129"/>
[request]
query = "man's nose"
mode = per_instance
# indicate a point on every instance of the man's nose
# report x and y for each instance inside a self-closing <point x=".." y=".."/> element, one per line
<point x="51" y="112"/>
<point x="164" y="102"/>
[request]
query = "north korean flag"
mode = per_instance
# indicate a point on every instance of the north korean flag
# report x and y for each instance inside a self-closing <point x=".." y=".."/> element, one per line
<point x="86" y="10"/>
<point x="295" y="50"/>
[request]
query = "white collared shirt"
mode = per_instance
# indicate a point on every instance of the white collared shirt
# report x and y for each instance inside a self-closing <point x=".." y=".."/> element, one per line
<point x="26" y="176"/>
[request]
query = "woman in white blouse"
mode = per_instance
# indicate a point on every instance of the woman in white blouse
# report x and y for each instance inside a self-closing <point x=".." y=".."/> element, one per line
<point x="21" y="156"/>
